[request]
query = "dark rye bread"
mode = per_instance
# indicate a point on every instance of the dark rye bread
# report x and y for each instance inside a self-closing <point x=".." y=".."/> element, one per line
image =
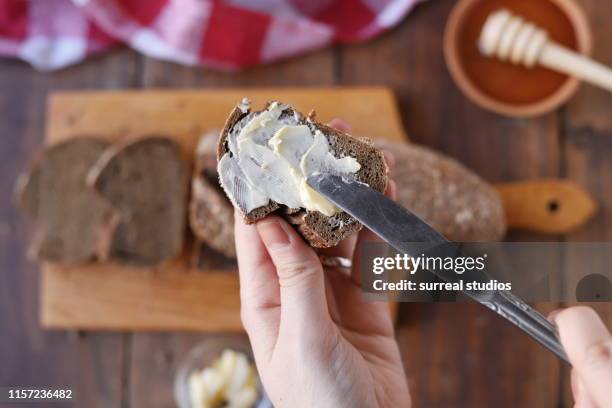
<point x="318" y="230"/>
<point x="446" y="194"/>
<point x="67" y="215"/>
<point x="145" y="182"/>
<point x="211" y="214"/>
<point x="205" y="258"/>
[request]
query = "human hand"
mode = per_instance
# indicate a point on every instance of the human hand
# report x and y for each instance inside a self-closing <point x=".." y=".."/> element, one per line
<point x="588" y="345"/>
<point x="316" y="342"/>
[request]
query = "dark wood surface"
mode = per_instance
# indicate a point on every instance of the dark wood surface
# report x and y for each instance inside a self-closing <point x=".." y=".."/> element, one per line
<point x="455" y="354"/>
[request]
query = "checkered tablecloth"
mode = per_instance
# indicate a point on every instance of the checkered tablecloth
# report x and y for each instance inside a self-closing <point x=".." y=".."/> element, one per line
<point x="51" y="34"/>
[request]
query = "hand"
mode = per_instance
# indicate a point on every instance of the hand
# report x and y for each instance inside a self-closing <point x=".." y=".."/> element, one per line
<point x="316" y="342"/>
<point x="588" y="345"/>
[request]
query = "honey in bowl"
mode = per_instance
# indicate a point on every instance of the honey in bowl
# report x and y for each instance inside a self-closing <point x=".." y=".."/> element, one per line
<point x="500" y="80"/>
<point x="501" y="86"/>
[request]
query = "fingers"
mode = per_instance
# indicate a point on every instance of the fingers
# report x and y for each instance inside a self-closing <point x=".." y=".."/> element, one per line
<point x="341" y="125"/>
<point x="259" y="290"/>
<point x="300" y="276"/>
<point x="391" y="190"/>
<point x="582" y="399"/>
<point x="354" y="312"/>
<point x="389" y="159"/>
<point x="588" y="345"/>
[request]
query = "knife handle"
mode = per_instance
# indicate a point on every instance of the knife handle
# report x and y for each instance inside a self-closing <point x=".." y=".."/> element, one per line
<point x="529" y="320"/>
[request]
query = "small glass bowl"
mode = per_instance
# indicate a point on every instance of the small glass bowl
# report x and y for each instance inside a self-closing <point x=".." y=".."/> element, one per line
<point x="203" y="355"/>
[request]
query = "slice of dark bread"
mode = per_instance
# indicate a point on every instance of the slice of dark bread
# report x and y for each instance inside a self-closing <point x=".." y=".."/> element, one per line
<point x="68" y="216"/>
<point x="318" y="230"/>
<point x="446" y="194"/>
<point x="145" y="182"/>
<point x="211" y="214"/>
<point x="205" y="258"/>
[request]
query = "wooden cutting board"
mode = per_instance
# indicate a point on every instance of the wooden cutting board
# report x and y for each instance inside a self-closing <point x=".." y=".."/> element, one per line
<point x="174" y="296"/>
<point x="177" y="297"/>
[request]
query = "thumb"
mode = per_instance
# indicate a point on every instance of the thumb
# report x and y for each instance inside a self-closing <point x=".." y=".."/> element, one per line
<point x="299" y="271"/>
<point x="588" y="344"/>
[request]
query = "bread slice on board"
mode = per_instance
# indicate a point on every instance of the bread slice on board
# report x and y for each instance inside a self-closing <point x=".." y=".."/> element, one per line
<point x="68" y="216"/>
<point x="318" y="230"/>
<point x="446" y="194"/>
<point x="145" y="182"/>
<point x="211" y="214"/>
<point x="205" y="258"/>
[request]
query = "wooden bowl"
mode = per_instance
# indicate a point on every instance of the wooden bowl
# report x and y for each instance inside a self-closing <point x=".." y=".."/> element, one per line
<point x="500" y="86"/>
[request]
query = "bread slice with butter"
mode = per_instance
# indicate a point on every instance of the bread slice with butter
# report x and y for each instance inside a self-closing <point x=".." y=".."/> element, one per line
<point x="265" y="156"/>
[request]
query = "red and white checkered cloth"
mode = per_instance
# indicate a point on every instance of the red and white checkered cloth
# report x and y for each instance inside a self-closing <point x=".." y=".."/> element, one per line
<point x="51" y="34"/>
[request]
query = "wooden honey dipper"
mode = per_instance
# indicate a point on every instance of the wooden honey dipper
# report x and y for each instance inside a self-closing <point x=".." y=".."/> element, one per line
<point x="511" y="38"/>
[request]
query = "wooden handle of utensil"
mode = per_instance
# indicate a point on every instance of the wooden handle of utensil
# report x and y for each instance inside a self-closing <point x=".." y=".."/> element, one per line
<point x="547" y="206"/>
<point x="562" y="59"/>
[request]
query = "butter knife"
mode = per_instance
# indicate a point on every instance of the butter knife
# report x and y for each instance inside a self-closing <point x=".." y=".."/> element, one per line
<point x="400" y="228"/>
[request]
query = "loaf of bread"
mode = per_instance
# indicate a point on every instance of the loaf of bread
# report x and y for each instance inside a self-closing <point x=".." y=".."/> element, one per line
<point x="264" y="155"/>
<point x="145" y="181"/>
<point x="211" y="214"/>
<point x="68" y="216"/>
<point x="446" y="194"/>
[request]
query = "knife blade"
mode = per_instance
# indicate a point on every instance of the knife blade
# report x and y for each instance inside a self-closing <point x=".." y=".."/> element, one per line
<point x="400" y="228"/>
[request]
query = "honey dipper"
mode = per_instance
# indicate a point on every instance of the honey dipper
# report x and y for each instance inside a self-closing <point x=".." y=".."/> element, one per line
<point x="511" y="38"/>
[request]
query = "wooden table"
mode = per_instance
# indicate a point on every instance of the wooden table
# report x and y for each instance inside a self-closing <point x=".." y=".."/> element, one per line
<point x="455" y="354"/>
